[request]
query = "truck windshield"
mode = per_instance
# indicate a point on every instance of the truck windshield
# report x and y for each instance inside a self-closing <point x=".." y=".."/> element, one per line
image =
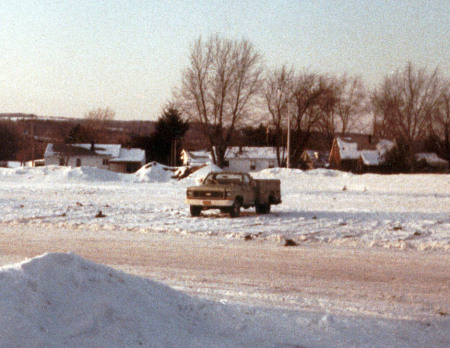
<point x="220" y="178"/>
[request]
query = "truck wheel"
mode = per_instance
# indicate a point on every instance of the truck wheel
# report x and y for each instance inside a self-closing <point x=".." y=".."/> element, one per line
<point x="195" y="210"/>
<point x="267" y="208"/>
<point x="235" y="209"/>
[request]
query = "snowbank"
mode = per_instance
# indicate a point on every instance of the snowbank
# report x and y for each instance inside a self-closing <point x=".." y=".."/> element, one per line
<point x="63" y="300"/>
<point x="284" y="173"/>
<point x="154" y="172"/>
<point x="60" y="174"/>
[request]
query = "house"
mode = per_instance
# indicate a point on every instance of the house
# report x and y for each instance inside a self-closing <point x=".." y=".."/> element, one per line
<point x="359" y="153"/>
<point x="10" y="164"/>
<point x="431" y="162"/>
<point x="194" y="158"/>
<point x="112" y="157"/>
<point x="249" y="159"/>
<point x="311" y="159"/>
<point x="35" y="163"/>
<point x="238" y="158"/>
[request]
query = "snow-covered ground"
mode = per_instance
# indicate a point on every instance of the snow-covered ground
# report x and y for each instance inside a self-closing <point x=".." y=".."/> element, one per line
<point x="320" y="206"/>
<point x="64" y="300"/>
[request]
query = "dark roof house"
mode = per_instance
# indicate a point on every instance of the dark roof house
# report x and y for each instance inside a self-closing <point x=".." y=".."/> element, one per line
<point x="358" y="153"/>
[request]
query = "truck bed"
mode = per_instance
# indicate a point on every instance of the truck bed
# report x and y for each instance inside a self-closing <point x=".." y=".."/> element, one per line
<point x="268" y="189"/>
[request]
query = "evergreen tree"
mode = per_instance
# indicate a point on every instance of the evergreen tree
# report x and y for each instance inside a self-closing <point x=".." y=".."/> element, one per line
<point x="79" y="134"/>
<point x="164" y="144"/>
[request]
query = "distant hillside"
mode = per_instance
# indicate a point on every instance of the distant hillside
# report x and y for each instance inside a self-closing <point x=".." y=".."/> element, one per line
<point x="18" y="116"/>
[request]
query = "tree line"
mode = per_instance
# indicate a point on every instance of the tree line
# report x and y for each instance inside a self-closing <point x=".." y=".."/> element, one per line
<point x="227" y="87"/>
<point x="228" y="92"/>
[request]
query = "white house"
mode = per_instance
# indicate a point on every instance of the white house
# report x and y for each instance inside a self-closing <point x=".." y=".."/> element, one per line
<point x="194" y="158"/>
<point x="112" y="157"/>
<point x="238" y="158"/>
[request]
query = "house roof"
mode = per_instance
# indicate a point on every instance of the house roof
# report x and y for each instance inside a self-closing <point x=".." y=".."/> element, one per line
<point x="371" y="157"/>
<point x="251" y="152"/>
<point x="351" y="147"/>
<point x="432" y="159"/>
<point x="130" y="155"/>
<point x="198" y="157"/>
<point x="114" y="152"/>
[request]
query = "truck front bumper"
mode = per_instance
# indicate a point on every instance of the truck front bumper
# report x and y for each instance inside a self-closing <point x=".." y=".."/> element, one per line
<point x="210" y="202"/>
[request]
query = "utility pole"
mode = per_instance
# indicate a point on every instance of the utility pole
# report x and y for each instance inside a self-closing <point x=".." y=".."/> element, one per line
<point x="32" y="140"/>
<point x="288" y="159"/>
<point x="173" y="153"/>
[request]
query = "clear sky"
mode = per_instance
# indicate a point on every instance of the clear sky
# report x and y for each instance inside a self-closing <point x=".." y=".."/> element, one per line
<point x="66" y="57"/>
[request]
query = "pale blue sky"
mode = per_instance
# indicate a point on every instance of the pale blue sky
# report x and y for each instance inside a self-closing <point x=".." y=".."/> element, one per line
<point x="64" y="58"/>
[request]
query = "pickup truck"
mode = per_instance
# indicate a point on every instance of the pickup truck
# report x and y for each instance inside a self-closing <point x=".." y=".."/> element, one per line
<point x="231" y="191"/>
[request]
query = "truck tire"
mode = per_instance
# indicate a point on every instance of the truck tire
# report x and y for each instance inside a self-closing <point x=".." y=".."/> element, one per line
<point x="259" y="208"/>
<point x="263" y="208"/>
<point x="235" y="210"/>
<point x="195" y="210"/>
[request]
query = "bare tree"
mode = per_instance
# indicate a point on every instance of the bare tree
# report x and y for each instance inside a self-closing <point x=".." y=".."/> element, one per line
<point x="441" y="118"/>
<point x="404" y="107"/>
<point x="327" y="107"/>
<point x="405" y="103"/>
<point x="96" y="121"/>
<point x="308" y="99"/>
<point x="277" y="94"/>
<point x="313" y="102"/>
<point x="350" y="102"/>
<point x="218" y="88"/>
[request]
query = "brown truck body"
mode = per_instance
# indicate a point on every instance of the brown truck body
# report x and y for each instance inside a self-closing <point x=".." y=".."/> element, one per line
<point x="231" y="191"/>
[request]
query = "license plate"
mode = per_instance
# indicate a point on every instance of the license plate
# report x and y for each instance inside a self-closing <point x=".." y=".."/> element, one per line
<point x="206" y="202"/>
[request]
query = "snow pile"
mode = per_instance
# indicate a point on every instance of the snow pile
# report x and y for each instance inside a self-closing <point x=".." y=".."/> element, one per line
<point x="61" y="174"/>
<point x="297" y="174"/>
<point x="90" y="174"/>
<point x="63" y="300"/>
<point x="201" y="173"/>
<point x="154" y="172"/>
